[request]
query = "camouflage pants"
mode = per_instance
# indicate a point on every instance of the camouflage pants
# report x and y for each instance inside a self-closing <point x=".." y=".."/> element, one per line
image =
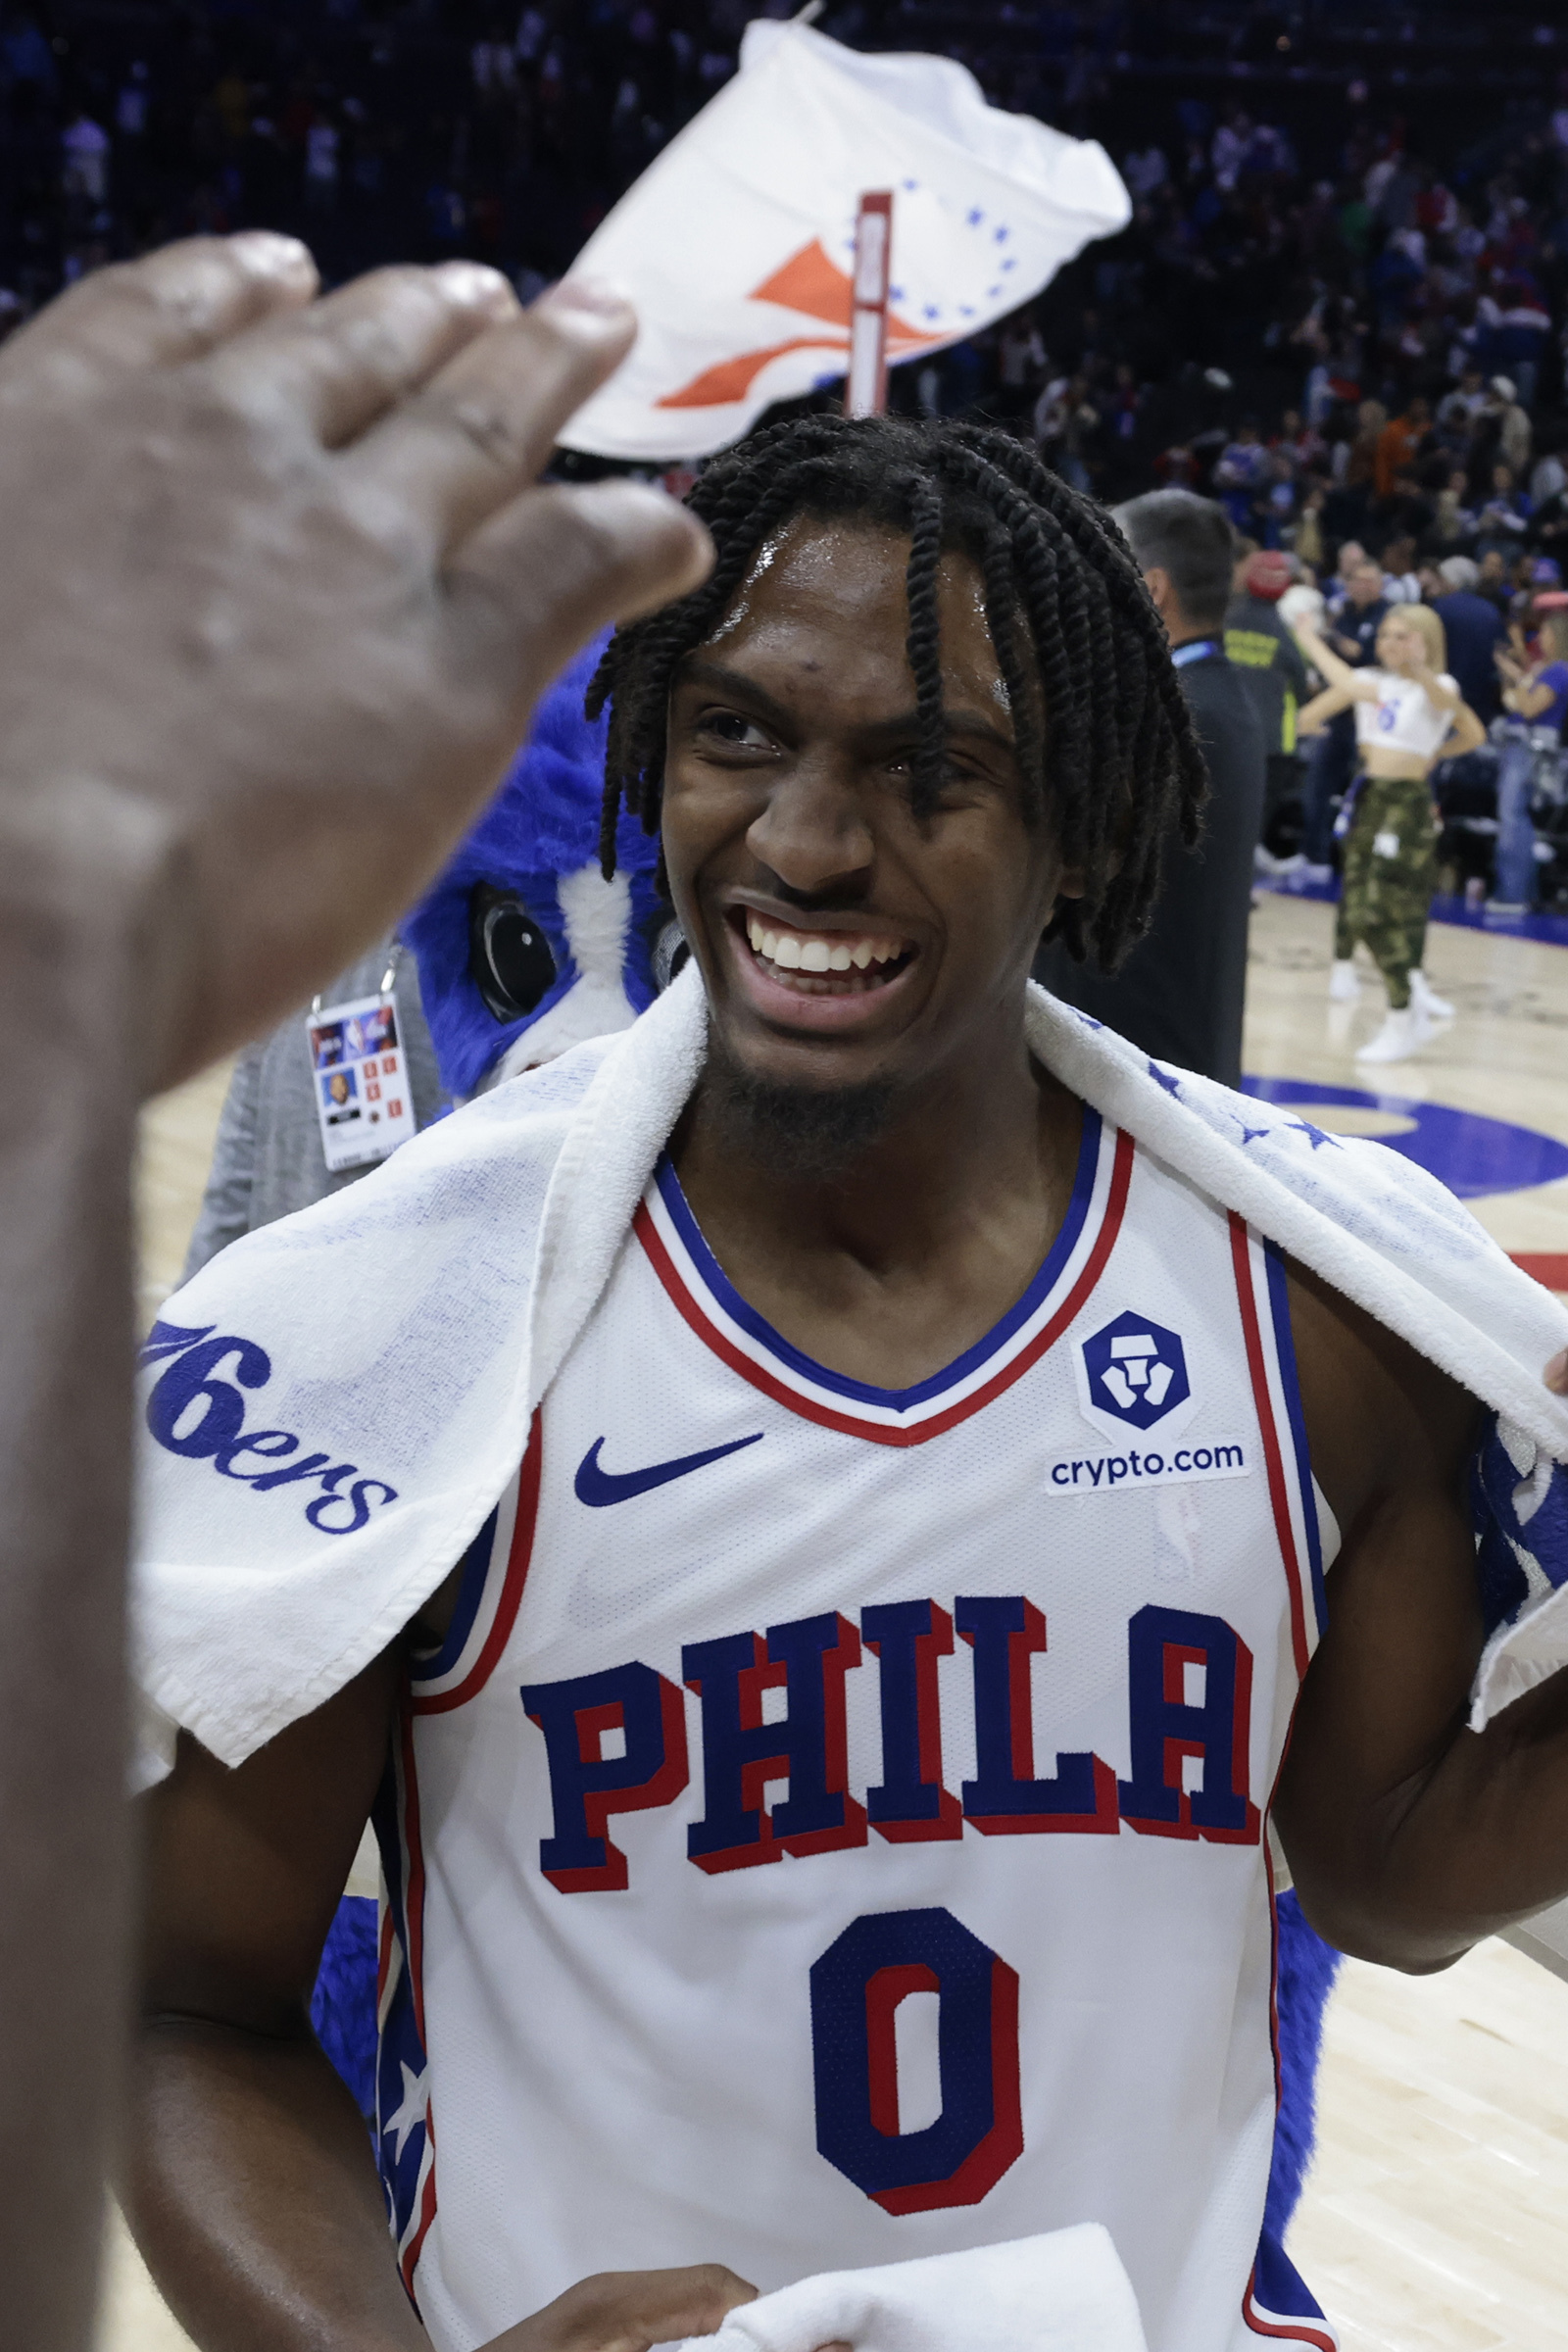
<point x="1390" y="863"/>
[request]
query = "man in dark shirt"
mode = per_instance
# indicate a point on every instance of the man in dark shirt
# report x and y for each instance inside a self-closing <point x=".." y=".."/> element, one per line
<point x="1269" y="660"/>
<point x="1474" y="628"/>
<point x="1353" y="631"/>
<point x="1352" y="634"/>
<point x="1179" y="995"/>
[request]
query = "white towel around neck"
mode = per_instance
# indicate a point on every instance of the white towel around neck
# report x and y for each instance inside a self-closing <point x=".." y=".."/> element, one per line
<point x="407" y="1328"/>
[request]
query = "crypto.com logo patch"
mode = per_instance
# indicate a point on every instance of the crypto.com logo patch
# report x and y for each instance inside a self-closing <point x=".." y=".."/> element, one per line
<point x="1132" y="1376"/>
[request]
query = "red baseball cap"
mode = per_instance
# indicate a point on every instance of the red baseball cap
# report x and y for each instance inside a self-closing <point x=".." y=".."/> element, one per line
<point x="1269" y="575"/>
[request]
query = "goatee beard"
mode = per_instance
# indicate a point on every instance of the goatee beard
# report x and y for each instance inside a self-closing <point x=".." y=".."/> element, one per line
<point x="804" y="1131"/>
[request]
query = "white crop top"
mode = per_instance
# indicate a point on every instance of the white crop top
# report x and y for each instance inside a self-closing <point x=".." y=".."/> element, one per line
<point x="1402" y="720"/>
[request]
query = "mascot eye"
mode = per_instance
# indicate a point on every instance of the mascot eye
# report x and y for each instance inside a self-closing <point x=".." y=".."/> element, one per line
<point x="509" y="954"/>
<point x="667" y="953"/>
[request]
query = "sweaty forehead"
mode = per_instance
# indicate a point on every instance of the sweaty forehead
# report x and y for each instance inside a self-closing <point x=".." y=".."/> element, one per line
<point x="827" y="601"/>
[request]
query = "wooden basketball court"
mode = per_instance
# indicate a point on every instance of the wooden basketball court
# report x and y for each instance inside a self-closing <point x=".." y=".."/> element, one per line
<point x="1436" y="2219"/>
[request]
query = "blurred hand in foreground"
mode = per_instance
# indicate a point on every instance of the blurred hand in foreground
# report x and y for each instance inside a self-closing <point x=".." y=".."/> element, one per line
<point x="277" y="598"/>
<point x="630" y="2311"/>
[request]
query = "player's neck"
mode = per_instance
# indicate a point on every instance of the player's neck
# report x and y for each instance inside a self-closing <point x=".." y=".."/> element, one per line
<point x="987" y="1135"/>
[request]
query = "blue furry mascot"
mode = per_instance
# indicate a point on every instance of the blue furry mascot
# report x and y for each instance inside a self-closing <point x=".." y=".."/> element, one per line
<point x="523" y="949"/>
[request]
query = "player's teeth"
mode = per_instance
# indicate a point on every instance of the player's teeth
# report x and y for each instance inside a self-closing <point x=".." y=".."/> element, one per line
<point x="795" y="954"/>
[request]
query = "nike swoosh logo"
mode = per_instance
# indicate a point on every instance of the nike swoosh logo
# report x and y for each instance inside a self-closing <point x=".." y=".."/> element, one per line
<point x="597" y="1488"/>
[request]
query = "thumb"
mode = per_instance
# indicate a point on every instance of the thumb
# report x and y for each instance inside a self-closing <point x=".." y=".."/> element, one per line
<point x="1555" y="1374"/>
<point x="559" y="564"/>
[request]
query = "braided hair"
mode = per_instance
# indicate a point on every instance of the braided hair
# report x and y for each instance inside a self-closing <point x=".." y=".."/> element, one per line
<point x="1102" y="732"/>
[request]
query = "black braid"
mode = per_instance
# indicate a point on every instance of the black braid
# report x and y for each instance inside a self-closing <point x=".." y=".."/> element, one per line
<point x="1104" y="739"/>
<point x="924" y="643"/>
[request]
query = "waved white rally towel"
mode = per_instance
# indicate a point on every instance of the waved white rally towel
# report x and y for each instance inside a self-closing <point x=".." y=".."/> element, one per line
<point x="335" y="1402"/>
<point x="1065" y="2291"/>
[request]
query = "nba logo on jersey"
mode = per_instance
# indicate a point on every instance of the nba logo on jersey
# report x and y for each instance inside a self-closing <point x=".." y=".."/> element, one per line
<point x="1134" y="1374"/>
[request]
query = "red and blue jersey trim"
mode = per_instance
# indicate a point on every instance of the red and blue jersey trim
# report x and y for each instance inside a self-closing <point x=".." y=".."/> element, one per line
<point x="1276" y="2301"/>
<point x="749" y="1345"/>
<point x="1264" y="1303"/>
<point x="404" y="2125"/>
<point x="494" y="1571"/>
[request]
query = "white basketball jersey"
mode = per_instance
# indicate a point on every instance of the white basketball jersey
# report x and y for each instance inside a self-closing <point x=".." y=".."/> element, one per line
<point x="833" y="1828"/>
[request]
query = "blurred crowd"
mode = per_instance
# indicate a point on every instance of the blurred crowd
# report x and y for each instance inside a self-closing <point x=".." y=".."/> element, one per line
<point x="1340" y="308"/>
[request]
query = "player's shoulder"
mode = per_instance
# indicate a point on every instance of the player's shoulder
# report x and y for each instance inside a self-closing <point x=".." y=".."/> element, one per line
<point x="1379" y="1414"/>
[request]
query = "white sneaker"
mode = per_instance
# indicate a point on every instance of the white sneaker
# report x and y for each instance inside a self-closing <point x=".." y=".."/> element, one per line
<point x="1295" y="863"/>
<point x="1426" y="1000"/>
<point x="1344" y="986"/>
<point x="1316" y="873"/>
<point x="1402" y="1034"/>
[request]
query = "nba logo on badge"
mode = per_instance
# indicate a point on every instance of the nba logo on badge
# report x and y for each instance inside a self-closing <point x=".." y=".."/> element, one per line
<point x="1132" y="1375"/>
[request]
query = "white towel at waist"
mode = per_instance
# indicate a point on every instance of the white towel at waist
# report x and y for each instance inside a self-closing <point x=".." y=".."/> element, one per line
<point x="1064" y="2291"/>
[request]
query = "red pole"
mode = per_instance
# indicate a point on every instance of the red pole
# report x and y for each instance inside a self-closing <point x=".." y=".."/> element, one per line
<point x="866" y="394"/>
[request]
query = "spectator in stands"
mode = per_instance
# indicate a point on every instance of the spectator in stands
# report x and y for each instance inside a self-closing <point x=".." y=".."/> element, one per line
<point x="1491" y="578"/>
<point x="1401" y="583"/>
<point x="1535" y="695"/>
<point x="1458" y="409"/>
<point x="1241" y="475"/>
<point x="1474" y="629"/>
<point x="1310" y="548"/>
<point x="1548" y="525"/>
<point x="1504" y="518"/>
<point x="1399" y="444"/>
<point x="1453" y="519"/>
<point x="1513" y="435"/>
<point x="1349" y="561"/>
<point x="1063" y="424"/>
<point x="1022" y="361"/>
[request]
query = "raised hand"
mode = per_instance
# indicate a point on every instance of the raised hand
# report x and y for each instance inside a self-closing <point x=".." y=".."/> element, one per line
<point x="277" y="596"/>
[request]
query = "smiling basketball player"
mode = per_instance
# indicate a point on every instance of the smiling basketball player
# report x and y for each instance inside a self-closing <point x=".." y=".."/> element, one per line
<point x="824" y="1811"/>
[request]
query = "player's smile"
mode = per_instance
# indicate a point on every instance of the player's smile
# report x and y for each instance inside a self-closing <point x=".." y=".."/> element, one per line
<point x="845" y="933"/>
<point x="822" y="976"/>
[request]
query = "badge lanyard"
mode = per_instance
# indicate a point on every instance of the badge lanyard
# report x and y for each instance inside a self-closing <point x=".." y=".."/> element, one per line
<point x="362" y="1098"/>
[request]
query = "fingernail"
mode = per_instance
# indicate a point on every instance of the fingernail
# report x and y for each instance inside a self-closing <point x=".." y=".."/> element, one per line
<point x="270" y="254"/>
<point x="1555" y="1375"/>
<point x="475" y="283"/>
<point x="600" y="296"/>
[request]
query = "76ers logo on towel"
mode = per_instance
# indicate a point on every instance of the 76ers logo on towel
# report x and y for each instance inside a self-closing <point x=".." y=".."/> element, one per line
<point x="1132" y="1375"/>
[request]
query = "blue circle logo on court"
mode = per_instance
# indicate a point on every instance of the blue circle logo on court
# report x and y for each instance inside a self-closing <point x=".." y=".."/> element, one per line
<point x="1137" y="1370"/>
<point x="1471" y="1154"/>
